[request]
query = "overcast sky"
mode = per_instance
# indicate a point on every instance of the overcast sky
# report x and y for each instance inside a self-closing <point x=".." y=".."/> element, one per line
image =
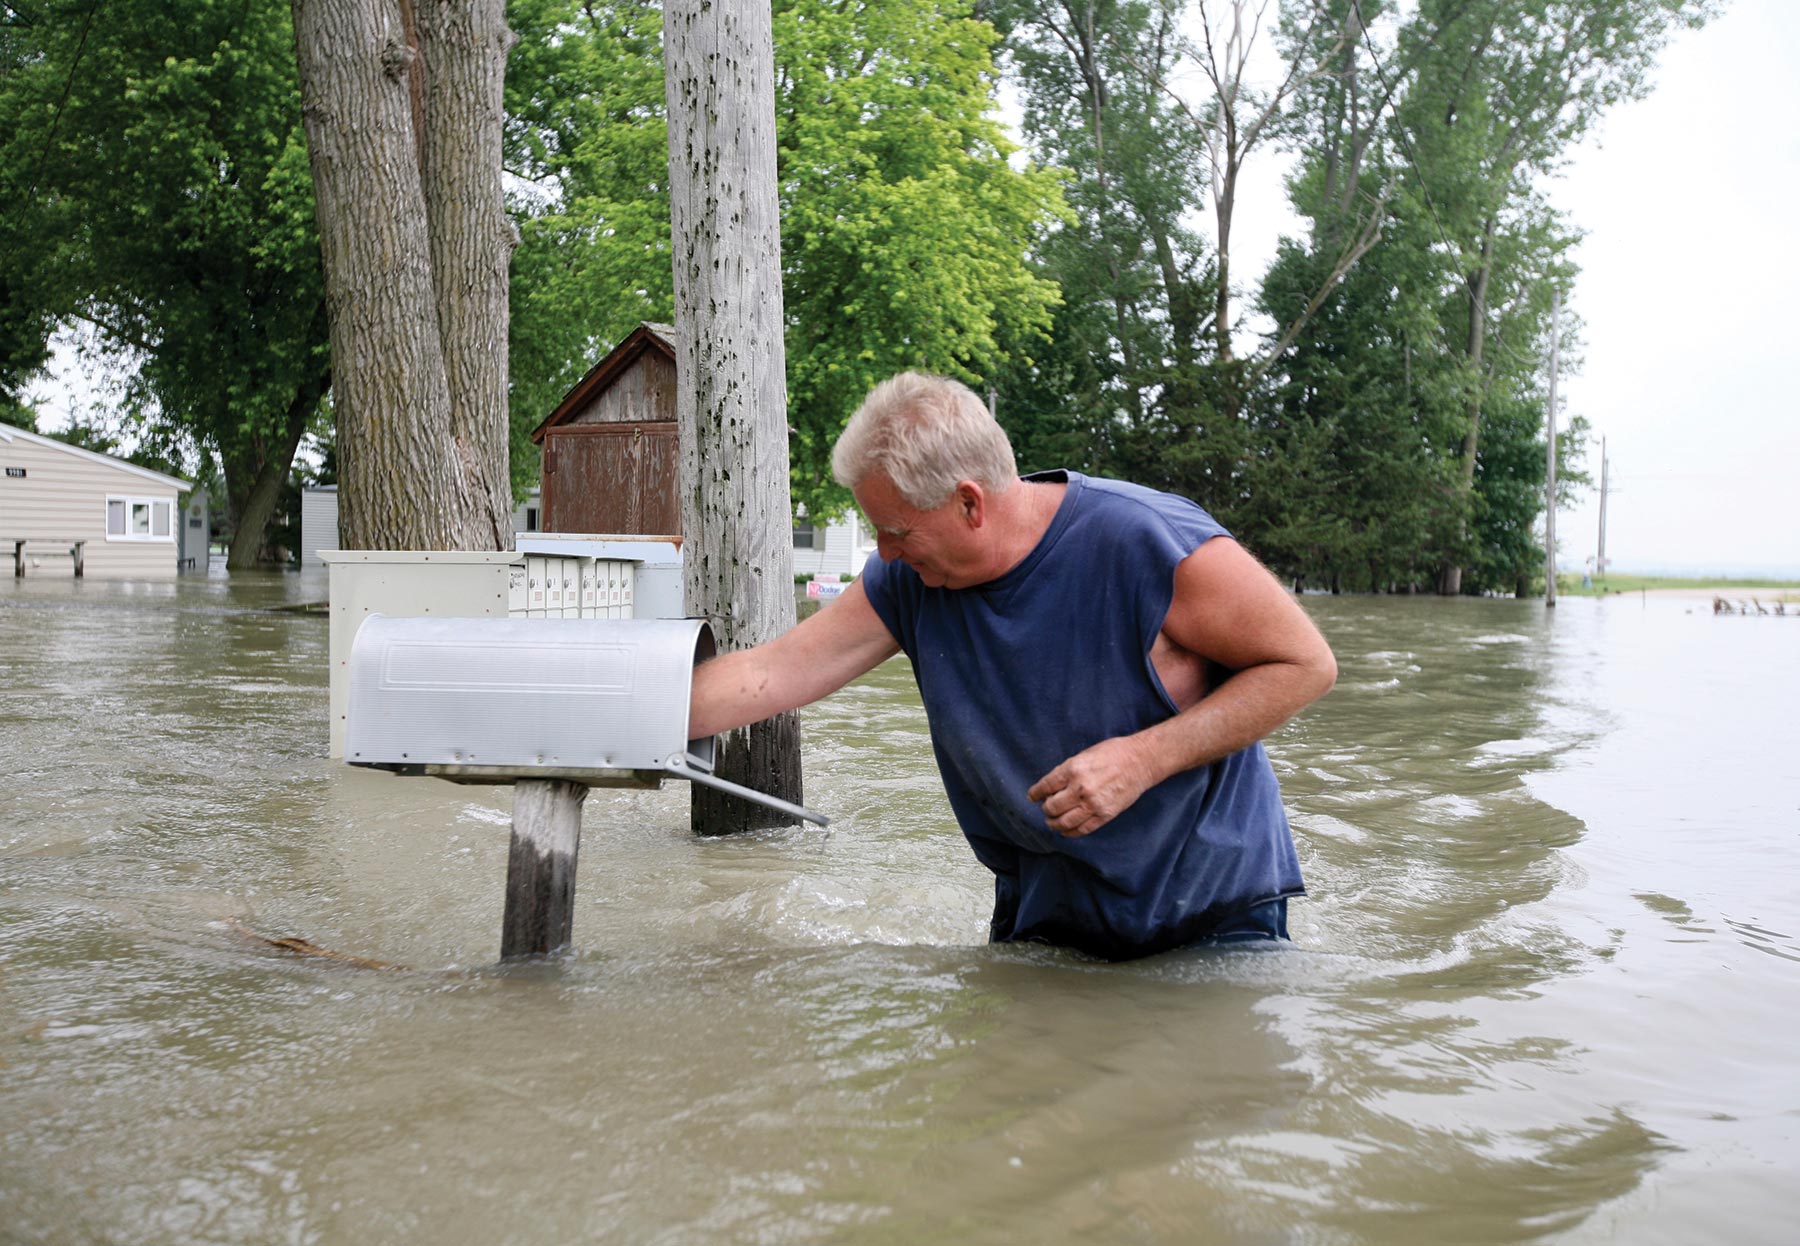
<point x="1687" y="290"/>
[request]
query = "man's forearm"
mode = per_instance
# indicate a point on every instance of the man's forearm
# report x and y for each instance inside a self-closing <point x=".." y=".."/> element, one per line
<point x="732" y="690"/>
<point x="1237" y="713"/>
<point x="818" y="657"/>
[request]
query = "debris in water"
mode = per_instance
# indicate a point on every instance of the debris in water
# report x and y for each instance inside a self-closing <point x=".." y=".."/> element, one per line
<point x="302" y="947"/>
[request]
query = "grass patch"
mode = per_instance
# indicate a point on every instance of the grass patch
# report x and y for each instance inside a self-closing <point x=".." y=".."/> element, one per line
<point x="1568" y="584"/>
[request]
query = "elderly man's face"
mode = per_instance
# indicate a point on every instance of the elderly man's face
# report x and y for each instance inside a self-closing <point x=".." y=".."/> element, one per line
<point x="941" y="544"/>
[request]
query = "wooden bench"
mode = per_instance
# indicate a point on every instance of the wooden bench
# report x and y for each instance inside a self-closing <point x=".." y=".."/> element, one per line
<point x="71" y="547"/>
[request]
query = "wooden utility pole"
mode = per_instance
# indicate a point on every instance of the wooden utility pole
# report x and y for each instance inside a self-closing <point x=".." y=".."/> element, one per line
<point x="1605" y="483"/>
<point x="1550" y="457"/>
<point x="731" y="384"/>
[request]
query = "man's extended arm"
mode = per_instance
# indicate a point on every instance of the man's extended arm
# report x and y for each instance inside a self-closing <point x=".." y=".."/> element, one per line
<point x="815" y="659"/>
<point x="1228" y="609"/>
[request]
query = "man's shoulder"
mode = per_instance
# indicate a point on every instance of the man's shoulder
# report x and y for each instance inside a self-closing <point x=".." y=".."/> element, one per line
<point x="1129" y="502"/>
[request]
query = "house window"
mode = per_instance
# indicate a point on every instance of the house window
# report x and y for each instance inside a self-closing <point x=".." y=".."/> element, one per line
<point x="531" y="519"/>
<point x="140" y="519"/>
<point x="805" y="537"/>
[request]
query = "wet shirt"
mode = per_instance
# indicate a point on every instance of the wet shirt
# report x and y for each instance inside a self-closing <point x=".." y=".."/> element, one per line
<point x="1023" y="672"/>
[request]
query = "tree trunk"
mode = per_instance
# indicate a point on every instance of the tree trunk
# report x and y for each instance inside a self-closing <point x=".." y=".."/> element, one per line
<point x="415" y="265"/>
<point x="1224" y="205"/>
<point x="465" y="44"/>
<point x="731" y="383"/>
<point x="1450" y="575"/>
<point x="253" y="504"/>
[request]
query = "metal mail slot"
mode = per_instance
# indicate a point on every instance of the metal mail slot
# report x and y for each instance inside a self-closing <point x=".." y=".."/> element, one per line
<point x="489" y="700"/>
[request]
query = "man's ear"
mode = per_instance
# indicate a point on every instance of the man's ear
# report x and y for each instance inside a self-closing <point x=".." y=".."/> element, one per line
<point x="971" y="503"/>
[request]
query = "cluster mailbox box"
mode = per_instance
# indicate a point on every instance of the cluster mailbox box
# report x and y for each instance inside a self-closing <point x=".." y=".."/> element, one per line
<point x="570" y="586"/>
<point x="603" y="702"/>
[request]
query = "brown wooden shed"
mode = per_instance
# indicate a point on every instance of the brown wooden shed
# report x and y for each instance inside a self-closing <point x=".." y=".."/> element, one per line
<point x="612" y="458"/>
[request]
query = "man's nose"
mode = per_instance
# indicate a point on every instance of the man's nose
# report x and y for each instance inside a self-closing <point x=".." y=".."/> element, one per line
<point x="887" y="546"/>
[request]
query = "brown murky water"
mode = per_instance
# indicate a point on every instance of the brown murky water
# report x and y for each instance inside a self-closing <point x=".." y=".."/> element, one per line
<point x="1544" y="990"/>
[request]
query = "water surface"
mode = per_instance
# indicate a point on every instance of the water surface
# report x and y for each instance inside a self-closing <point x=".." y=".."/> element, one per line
<point x="1543" y="988"/>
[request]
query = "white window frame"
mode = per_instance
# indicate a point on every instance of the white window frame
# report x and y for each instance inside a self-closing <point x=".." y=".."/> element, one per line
<point x="150" y="504"/>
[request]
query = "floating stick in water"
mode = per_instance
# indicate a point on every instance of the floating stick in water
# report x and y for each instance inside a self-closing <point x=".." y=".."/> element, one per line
<point x="302" y="947"/>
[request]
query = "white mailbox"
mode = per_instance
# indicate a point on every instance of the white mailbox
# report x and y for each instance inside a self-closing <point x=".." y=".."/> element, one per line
<point x="602" y="702"/>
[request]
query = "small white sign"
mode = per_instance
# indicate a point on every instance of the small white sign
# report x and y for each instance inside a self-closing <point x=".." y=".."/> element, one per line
<point x="824" y="589"/>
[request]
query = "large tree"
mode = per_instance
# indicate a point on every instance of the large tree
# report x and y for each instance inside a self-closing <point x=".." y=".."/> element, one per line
<point x="1355" y="427"/>
<point x="1508" y="88"/>
<point x="1403" y="434"/>
<point x="1129" y="341"/>
<point x="156" y="191"/>
<point x="1147" y="330"/>
<point x="403" y="105"/>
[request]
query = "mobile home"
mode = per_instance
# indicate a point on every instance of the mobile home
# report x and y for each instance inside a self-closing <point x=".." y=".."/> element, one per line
<point x="66" y="511"/>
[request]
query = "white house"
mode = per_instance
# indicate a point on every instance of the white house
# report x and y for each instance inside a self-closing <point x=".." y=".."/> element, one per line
<point x="64" y="509"/>
<point x="837" y="548"/>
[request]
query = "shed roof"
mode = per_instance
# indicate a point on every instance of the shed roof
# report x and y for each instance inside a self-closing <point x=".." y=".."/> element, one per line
<point x="647" y="336"/>
<point x="10" y="434"/>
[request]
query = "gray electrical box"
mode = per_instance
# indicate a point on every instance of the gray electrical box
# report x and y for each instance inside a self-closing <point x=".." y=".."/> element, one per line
<point x="602" y="702"/>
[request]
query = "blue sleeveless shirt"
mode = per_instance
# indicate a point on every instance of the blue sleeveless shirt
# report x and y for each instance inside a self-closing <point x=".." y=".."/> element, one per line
<point x="1023" y="672"/>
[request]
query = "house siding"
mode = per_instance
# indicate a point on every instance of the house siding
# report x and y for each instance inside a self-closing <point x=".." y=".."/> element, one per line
<point x="643" y="393"/>
<point x="62" y="498"/>
<point x="839" y="556"/>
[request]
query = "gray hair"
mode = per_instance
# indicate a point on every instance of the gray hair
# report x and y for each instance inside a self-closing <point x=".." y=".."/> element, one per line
<point x="928" y="434"/>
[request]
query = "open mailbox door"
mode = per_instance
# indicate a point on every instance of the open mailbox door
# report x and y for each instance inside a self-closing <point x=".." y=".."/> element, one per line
<point x="602" y="702"/>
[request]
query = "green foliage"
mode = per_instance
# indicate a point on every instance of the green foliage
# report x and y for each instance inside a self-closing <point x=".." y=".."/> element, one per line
<point x="1500" y="90"/>
<point x="25" y="330"/>
<point x="1391" y="425"/>
<point x="1355" y="484"/>
<point x="18" y="414"/>
<point x="904" y="228"/>
<point x="158" y="190"/>
<point x="1123" y="385"/>
<point x="587" y="141"/>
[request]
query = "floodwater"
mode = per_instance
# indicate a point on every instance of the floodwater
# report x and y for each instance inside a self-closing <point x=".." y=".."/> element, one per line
<point x="1544" y="989"/>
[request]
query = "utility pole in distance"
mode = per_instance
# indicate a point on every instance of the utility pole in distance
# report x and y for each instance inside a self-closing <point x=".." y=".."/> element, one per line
<point x="1550" y="456"/>
<point x="1605" y="483"/>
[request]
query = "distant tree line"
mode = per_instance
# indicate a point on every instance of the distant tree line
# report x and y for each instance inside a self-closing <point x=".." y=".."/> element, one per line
<point x="1370" y="415"/>
<point x="1367" y="414"/>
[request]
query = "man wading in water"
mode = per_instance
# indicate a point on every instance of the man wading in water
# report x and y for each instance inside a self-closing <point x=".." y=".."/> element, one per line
<point x="1098" y="661"/>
